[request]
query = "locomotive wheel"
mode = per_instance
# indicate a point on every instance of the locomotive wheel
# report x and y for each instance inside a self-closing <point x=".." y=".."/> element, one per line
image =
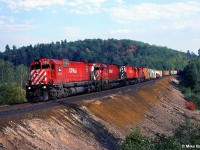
<point x="66" y="93"/>
<point x="105" y="86"/>
<point x="53" y="93"/>
<point x="138" y="80"/>
<point x="45" y="96"/>
<point x="98" y="88"/>
<point x="127" y="83"/>
<point x="110" y="86"/>
<point x="91" y="88"/>
<point x="60" y="93"/>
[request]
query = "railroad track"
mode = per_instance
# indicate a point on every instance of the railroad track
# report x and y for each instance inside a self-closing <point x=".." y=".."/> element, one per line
<point x="20" y="109"/>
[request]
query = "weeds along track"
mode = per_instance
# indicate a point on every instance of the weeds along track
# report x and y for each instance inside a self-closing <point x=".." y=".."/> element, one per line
<point x="20" y="109"/>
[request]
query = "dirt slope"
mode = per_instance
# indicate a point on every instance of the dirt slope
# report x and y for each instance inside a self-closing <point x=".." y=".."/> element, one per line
<point x="101" y="123"/>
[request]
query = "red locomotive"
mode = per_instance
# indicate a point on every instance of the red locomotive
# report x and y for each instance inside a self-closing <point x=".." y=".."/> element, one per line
<point x="52" y="79"/>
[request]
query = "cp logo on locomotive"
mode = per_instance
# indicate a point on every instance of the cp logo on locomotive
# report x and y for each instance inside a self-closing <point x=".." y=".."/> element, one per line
<point x="72" y="70"/>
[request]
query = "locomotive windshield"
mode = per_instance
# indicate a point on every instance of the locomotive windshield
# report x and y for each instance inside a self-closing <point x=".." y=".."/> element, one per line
<point x="96" y="68"/>
<point x="36" y="66"/>
<point x="45" y="66"/>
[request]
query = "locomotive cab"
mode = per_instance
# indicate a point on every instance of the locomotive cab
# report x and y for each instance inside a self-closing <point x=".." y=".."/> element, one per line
<point x="40" y="71"/>
<point x="98" y="71"/>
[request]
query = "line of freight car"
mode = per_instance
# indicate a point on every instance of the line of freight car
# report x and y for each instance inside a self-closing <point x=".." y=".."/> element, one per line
<point x="52" y="79"/>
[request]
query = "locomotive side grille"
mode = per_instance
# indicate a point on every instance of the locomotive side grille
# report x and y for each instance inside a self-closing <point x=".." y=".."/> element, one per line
<point x="38" y="76"/>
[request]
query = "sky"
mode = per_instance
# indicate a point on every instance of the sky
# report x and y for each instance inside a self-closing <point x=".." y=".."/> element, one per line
<point x="171" y="23"/>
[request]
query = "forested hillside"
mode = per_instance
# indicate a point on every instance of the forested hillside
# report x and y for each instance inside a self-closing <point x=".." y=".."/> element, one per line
<point x="121" y="52"/>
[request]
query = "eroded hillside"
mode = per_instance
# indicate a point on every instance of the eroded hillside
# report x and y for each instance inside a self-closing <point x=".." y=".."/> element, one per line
<point x="100" y="123"/>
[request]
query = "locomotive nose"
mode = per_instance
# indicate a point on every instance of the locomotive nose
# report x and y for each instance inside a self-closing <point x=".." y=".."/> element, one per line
<point x="38" y="77"/>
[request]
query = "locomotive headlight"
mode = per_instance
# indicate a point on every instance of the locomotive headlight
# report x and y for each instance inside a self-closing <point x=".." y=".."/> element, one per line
<point x="44" y="87"/>
<point x="29" y="87"/>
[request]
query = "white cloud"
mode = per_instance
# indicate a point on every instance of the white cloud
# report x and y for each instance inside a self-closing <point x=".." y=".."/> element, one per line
<point x="75" y="3"/>
<point x="120" y="1"/>
<point x="184" y="25"/>
<point x="189" y="24"/>
<point x="96" y="3"/>
<point x="4" y="19"/>
<point x="120" y="31"/>
<point x="32" y="4"/>
<point x="151" y="11"/>
<point x="76" y="6"/>
<point x="1" y="21"/>
<point x="19" y="27"/>
<point x="9" y="19"/>
<point x="9" y="24"/>
<point x="85" y="6"/>
<point x="122" y="34"/>
<point x="1" y="24"/>
<point x="85" y="9"/>
<point x="196" y="40"/>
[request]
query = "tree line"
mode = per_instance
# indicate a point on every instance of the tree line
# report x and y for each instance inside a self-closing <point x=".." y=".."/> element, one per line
<point x="112" y="51"/>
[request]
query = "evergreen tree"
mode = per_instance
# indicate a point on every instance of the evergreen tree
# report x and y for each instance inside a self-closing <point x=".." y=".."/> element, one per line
<point x="7" y="48"/>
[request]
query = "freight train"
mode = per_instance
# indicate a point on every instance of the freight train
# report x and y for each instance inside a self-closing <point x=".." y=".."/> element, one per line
<point x="53" y="79"/>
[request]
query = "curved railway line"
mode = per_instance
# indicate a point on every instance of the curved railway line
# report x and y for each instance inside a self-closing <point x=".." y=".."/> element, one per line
<point x="20" y="109"/>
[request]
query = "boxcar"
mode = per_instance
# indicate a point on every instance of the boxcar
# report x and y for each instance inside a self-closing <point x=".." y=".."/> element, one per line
<point x="152" y="73"/>
<point x="166" y="73"/>
<point x="146" y="73"/>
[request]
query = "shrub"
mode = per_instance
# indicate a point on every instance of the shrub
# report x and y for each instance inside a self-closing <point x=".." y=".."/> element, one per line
<point x="191" y="95"/>
<point x="188" y="133"/>
<point x="136" y="141"/>
<point x="11" y="94"/>
<point x="163" y="142"/>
